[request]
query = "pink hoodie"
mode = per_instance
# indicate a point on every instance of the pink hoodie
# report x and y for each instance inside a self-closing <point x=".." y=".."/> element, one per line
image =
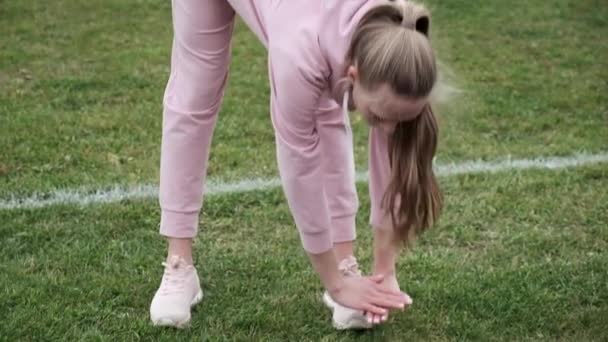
<point x="306" y="42"/>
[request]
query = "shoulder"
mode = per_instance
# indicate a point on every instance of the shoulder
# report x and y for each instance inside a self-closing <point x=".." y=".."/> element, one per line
<point x="294" y="53"/>
<point x="336" y="29"/>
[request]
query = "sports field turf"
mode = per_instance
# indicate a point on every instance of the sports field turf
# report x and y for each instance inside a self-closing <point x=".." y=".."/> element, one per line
<point x="517" y="255"/>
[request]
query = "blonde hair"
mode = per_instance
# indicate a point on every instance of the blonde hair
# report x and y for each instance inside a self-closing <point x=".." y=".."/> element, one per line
<point x="391" y="46"/>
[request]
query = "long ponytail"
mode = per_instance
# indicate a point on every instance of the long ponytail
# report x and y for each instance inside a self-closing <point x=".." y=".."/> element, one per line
<point x="413" y="197"/>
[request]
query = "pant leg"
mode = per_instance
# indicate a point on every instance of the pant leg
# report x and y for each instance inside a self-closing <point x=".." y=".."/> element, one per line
<point x="338" y="170"/>
<point x="199" y="68"/>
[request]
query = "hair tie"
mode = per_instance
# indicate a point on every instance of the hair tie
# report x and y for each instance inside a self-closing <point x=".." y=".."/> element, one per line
<point x="410" y="24"/>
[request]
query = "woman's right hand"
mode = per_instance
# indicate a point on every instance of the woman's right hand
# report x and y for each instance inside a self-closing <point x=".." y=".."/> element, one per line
<point x="368" y="294"/>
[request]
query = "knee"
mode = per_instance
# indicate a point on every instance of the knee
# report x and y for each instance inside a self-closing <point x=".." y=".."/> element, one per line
<point x="199" y="96"/>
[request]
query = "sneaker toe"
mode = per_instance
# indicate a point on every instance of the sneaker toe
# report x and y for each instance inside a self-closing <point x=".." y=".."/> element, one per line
<point x="169" y="314"/>
<point x="345" y="318"/>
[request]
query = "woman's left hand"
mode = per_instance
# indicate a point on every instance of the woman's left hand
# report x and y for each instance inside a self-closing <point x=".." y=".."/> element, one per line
<point x="390" y="281"/>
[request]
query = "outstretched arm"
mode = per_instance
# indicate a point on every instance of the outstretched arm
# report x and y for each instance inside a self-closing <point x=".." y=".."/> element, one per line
<point x="294" y="100"/>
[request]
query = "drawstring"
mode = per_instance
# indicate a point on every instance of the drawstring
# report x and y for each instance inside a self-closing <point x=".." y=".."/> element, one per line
<point x="350" y="150"/>
<point x="345" y="111"/>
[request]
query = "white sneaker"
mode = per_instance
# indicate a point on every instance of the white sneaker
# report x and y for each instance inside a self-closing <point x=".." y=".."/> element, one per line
<point x="344" y="317"/>
<point x="179" y="290"/>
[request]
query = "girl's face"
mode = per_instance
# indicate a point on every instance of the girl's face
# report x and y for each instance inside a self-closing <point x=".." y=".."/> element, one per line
<point x="382" y="107"/>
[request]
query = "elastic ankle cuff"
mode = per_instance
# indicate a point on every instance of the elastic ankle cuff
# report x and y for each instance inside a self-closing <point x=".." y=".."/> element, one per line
<point x="178" y="225"/>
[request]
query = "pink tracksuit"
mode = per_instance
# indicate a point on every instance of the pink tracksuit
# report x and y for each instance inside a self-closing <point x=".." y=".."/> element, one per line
<point x="306" y="42"/>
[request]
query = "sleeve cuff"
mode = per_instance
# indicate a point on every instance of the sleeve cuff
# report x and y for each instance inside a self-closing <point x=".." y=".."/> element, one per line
<point x="316" y="243"/>
<point x="344" y="228"/>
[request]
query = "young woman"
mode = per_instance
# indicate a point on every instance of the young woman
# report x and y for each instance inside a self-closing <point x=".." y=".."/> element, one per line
<point x="325" y="57"/>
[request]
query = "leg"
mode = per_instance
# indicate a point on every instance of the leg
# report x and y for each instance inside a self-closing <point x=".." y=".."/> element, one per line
<point x="199" y="66"/>
<point x="339" y="176"/>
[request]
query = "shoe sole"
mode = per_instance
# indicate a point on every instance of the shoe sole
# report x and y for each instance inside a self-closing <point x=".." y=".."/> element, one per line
<point x="166" y="322"/>
<point x="352" y="324"/>
<point x="197" y="299"/>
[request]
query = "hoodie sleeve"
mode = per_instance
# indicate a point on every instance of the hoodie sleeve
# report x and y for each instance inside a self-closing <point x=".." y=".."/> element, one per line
<point x="296" y="89"/>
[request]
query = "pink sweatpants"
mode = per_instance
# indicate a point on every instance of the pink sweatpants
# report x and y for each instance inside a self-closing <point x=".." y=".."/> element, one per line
<point x="310" y="145"/>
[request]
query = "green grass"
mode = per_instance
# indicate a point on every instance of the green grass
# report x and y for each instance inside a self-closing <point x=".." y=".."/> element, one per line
<point x="516" y="256"/>
<point x="82" y="82"/>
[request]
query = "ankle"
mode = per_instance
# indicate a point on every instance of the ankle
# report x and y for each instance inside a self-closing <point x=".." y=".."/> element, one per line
<point x="181" y="248"/>
<point x="186" y="258"/>
<point x="344" y="250"/>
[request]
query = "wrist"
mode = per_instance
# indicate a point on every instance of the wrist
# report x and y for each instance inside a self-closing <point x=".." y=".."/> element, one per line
<point x="386" y="252"/>
<point x="385" y="259"/>
<point x="385" y="270"/>
<point x="326" y="266"/>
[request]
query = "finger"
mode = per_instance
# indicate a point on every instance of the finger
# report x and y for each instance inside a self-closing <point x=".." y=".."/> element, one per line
<point x="389" y="303"/>
<point x="376" y="278"/>
<point x="394" y="297"/>
<point x="373" y="309"/>
<point x="387" y="290"/>
<point x="370" y="317"/>
<point x="382" y="291"/>
<point x="385" y="318"/>
<point x="408" y="299"/>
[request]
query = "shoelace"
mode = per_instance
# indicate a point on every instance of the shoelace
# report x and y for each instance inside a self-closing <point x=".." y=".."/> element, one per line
<point x="173" y="280"/>
<point x="349" y="267"/>
<point x="349" y="151"/>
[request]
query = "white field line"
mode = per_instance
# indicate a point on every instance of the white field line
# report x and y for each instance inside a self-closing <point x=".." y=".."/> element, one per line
<point x="113" y="194"/>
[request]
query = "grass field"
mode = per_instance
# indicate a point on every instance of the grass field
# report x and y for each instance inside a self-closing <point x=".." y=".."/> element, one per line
<point x="518" y="255"/>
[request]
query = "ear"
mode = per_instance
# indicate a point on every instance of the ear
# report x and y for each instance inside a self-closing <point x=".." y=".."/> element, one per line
<point x="352" y="72"/>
